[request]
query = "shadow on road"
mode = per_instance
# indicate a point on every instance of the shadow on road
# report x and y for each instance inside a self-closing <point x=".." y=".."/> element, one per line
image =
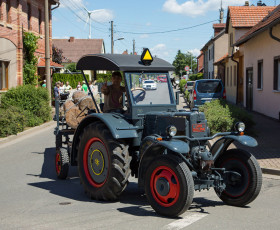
<point x="133" y="197"/>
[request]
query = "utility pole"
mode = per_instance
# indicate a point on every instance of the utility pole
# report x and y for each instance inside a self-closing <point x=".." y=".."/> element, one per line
<point x="112" y="37"/>
<point x="133" y="46"/>
<point x="47" y="47"/>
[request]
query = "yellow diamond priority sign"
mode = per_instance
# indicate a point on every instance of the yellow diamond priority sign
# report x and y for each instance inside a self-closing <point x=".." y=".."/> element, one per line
<point x="146" y="57"/>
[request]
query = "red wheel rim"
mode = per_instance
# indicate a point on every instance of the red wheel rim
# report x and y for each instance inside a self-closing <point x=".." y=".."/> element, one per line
<point x="57" y="163"/>
<point x="167" y="174"/>
<point x="248" y="179"/>
<point x="85" y="162"/>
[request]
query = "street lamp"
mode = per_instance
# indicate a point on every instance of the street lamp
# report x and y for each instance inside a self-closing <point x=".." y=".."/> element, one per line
<point x="112" y="51"/>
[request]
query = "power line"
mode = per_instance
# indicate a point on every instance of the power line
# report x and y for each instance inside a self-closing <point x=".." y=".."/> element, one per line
<point x="168" y="31"/>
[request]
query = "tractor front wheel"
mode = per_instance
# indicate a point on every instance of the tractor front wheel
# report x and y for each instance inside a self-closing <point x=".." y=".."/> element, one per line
<point x="240" y="189"/>
<point x="169" y="186"/>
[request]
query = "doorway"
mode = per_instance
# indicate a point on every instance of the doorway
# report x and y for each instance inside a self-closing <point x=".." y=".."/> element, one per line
<point x="249" y="88"/>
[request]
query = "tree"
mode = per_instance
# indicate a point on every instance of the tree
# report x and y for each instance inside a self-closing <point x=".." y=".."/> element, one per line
<point x="57" y="55"/>
<point x="30" y="45"/>
<point x="182" y="60"/>
<point x="71" y="67"/>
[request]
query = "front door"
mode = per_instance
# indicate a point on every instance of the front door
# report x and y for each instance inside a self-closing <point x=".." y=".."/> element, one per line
<point x="249" y="88"/>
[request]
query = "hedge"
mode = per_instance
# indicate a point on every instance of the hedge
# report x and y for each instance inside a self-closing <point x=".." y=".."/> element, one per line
<point x="221" y="116"/>
<point x="73" y="79"/>
<point x="23" y="106"/>
<point x="194" y="77"/>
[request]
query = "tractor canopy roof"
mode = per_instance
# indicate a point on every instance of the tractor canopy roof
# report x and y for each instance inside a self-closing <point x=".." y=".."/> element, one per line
<point x="120" y="62"/>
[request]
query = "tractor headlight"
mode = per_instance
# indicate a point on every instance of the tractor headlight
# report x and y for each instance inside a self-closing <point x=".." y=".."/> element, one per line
<point x="171" y="131"/>
<point x="240" y="127"/>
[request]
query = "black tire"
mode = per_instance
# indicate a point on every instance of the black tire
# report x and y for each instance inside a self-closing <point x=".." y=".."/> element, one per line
<point x="169" y="186"/>
<point x="61" y="163"/>
<point x="240" y="191"/>
<point x="107" y="176"/>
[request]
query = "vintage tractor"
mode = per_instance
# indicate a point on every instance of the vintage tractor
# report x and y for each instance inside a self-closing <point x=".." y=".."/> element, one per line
<point x="164" y="148"/>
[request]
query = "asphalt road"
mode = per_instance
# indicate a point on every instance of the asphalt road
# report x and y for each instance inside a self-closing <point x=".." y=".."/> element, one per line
<point x="32" y="198"/>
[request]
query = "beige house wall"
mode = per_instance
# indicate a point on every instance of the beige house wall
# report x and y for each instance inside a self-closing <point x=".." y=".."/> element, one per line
<point x="220" y="49"/>
<point x="263" y="47"/>
<point x="230" y="77"/>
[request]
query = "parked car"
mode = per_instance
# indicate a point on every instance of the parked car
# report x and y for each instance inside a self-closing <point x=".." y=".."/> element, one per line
<point x="189" y="85"/>
<point x="149" y="84"/>
<point x="161" y="79"/>
<point x="205" y="91"/>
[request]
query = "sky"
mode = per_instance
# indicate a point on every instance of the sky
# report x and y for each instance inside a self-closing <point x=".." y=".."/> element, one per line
<point x="163" y="26"/>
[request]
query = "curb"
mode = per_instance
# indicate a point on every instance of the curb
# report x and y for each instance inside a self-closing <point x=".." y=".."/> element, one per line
<point x="275" y="172"/>
<point x="25" y="132"/>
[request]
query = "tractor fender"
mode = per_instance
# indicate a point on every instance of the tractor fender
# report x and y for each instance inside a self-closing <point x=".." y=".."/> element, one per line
<point x="151" y="148"/>
<point x="116" y="123"/>
<point x="227" y="140"/>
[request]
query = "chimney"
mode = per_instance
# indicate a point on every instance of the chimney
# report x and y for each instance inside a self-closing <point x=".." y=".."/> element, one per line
<point x="72" y="39"/>
<point x="259" y="3"/>
<point x="246" y="3"/>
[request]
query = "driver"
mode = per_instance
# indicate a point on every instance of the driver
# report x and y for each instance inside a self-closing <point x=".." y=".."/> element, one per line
<point x="113" y="94"/>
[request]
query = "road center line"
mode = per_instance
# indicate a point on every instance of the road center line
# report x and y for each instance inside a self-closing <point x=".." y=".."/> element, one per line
<point x="186" y="221"/>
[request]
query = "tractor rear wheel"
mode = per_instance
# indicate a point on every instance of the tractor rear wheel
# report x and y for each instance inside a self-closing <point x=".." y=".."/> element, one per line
<point x="61" y="163"/>
<point x="240" y="191"/>
<point x="103" y="163"/>
<point x="169" y="186"/>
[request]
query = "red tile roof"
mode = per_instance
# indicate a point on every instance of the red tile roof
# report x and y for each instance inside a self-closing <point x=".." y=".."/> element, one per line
<point x="219" y="25"/>
<point x="270" y="19"/>
<point x="221" y="59"/>
<point x="73" y="49"/>
<point x="42" y="63"/>
<point x="248" y="16"/>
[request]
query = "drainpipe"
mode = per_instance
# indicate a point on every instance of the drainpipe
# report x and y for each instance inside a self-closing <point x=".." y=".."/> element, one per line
<point x="237" y="76"/>
<point x="272" y="36"/>
<point x="58" y="4"/>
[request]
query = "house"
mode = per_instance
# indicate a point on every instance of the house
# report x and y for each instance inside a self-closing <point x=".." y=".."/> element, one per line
<point x="17" y="16"/>
<point x="214" y="49"/>
<point x="200" y="60"/>
<point x="73" y="49"/>
<point x="240" y="19"/>
<point x="260" y="48"/>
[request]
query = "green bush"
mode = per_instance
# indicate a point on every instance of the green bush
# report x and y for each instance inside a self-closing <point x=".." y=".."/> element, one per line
<point x="72" y="67"/>
<point x="23" y="106"/>
<point x="194" y="77"/>
<point x="222" y="116"/>
<point x="182" y="84"/>
<point x="12" y="121"/>
<point x="187" y="94"/>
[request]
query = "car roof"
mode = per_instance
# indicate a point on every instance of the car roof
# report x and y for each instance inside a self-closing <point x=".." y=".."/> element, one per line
<point x="120" y="62"/>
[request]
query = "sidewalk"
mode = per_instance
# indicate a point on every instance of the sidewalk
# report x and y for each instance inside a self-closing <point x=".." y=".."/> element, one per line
<point x="268" y="136"/>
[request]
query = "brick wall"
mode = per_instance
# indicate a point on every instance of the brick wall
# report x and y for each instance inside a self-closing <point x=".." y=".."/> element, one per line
<point x="18" y="22"/>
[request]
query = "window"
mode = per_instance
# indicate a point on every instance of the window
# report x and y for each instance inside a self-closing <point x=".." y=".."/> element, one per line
<point x="29" y="16"/>
<point x="231" y="76"/>
<point x="4" y="75"/>
<point x="1" y="18"/>
<point x="231" y="39"/>
<point x="227" y="76"/>
<point x="234" y="75"/>
<point x="8" y="7"/>
<point x="276" y="85"/>
<point x="209" y="55"/>
<point x="40" y="21"/>
<point x="260" y="74"/>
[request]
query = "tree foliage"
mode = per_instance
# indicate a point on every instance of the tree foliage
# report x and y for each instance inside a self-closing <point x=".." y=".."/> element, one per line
<point x="30" y="45"/>
<point x="57" y="55"/>
<point x="72" y="67"/>
<point x="182" y="60"/>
